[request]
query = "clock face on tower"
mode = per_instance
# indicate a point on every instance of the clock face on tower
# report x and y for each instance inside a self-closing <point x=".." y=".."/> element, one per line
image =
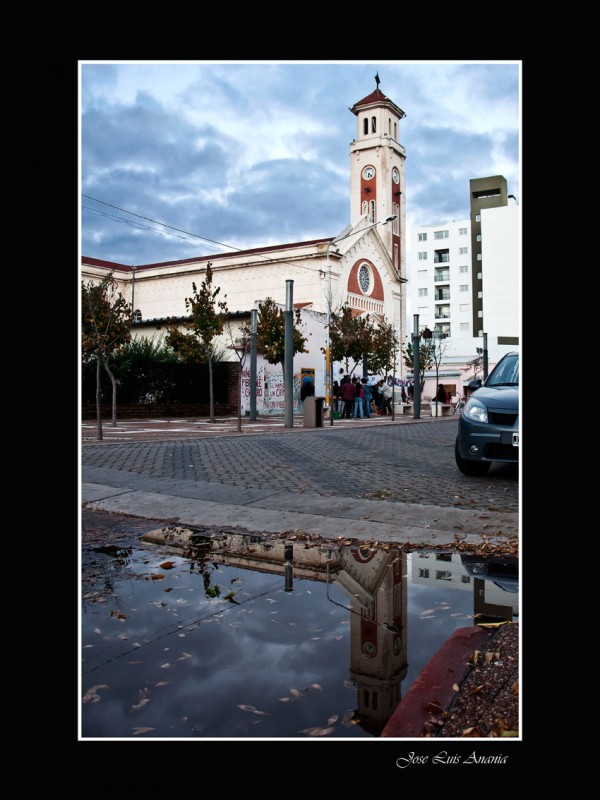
<point x="368" y="173"/>
<point x="395" y="175"/>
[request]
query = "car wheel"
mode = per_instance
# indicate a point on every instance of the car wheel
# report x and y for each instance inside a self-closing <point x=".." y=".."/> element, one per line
<point x="469" y="467"/>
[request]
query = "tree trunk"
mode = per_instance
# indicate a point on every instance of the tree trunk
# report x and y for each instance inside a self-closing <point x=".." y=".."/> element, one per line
<point x="210" y="389"/>
<point x="98" y="409"/>
<point x="114" y="394"/>
<point x="239" y="400"/>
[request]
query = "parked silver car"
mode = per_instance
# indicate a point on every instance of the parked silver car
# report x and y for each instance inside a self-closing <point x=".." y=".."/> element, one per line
<point x="488" y="427"/>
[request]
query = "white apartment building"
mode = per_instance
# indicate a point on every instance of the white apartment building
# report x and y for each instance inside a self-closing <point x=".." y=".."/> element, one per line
<point x="445" y="279"/>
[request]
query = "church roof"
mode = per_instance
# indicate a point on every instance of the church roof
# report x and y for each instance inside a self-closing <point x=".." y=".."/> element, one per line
<point x="376" y="98"/>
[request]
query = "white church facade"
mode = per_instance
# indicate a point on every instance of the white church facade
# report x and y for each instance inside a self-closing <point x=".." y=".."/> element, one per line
<point x="362" y="267"/>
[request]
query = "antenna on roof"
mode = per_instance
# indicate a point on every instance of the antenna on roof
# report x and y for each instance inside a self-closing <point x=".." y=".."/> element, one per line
<point x="377" y="79"/>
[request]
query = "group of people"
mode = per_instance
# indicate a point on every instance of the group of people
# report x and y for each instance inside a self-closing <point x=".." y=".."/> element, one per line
<point x="356" y="398"/>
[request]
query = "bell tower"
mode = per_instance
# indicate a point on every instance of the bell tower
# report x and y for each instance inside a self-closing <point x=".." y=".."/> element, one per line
<point x="377" y="170"/>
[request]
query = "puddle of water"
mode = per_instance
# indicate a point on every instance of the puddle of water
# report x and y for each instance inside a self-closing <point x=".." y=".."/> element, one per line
<point x="236" y="638"/>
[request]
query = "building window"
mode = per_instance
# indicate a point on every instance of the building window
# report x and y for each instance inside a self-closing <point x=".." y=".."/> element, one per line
<point x="443" y="575"/>
<point x="395" y="131"/>
<point x="441" y="257"/>
<point x="396" y="222"/>
<point x="422" y="292"/>
<point x="365" y="208"/>
<point x="366" y="125"/>
<point x="440" y="234"/>
<point x="465" y="579"/>
<point x="480" y="314"/>
<point x="463" y="269"/>
<point x="423" y="573"/>
<point x="396" y="256"/>
<point x="372" y="214"/>
<point x="422" y="237"/>
<point x="373" y="125"/>
<point x="478" y="237"/>
<point x="423" y="256"/>
<point x="464" y="287"/>
<point x="364" y="278"/>
<point x="479" y="276"/>
<point x="478" y="218"/>
<point x="464" y="326"/>
<point x="462" y="231"/>
<point x="422" y="274"/>
<point x="443" y="557"/>
<point x="464" y="307"/>
<point x="478" y="256"/>
<point x="137" y="315"/>
<point x="463" y="251"/>
<point x="479" y="295"/>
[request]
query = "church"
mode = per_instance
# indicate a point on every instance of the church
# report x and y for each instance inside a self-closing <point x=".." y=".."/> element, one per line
<point x="362" y="267"/>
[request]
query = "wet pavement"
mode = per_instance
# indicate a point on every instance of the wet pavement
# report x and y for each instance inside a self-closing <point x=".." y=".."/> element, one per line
<point x="372" y="479"/>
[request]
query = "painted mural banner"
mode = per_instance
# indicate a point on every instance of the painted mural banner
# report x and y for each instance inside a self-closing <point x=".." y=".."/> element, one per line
<point x="270" y="392"/>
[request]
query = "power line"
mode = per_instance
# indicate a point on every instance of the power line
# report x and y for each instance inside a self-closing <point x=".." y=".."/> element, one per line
<point x="194" y="235"/>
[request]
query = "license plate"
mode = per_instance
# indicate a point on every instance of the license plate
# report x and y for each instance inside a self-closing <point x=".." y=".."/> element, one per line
<point x="515" y="439"/>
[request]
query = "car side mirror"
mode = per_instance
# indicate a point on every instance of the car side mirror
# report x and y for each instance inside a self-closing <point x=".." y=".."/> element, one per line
<point x="475" y="384"/>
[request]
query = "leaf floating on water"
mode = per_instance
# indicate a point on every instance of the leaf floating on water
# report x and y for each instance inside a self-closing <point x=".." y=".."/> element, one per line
<point x="253" y="710"/>
<point x="236" y="580"/>
<point x="348" y="718"/>
<point x="166" y="665"/>
<point x="162" y="683"/>
<point x="284" y="699"/>
<point x="295" y="693"/>
<point x="348" y="684"/>
<point x="332" y="719"/>
<point x="428" y="611"/>
<point x="492" y="624"/>
<point x="314" y="686"/>
<point x="167" y="565"/>
<point x="184" y="656"/>
<point x="143" y="702"/>
<point x="118" y="614"/>
<point x="92" y="694"/>
<point x="317" y="731"/>
<point x="157" y="577"/>
<point x="168" y="589"/>
<point x="137" y="731"/>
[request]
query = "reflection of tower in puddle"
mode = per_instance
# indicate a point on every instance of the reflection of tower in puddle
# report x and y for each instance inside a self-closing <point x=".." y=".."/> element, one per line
<point x="375" y="581"/>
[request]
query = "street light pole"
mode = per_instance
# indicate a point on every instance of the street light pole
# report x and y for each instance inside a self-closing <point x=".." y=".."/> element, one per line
<point x="253" y="348"/>
<point x="416" y="369"/>
<point x="289" y="354"/>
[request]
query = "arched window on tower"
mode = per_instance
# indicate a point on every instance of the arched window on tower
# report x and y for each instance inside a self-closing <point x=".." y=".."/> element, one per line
<point x="365" y="208"/>
<point x="395" y="131"/>
<point x="373" y="125"/>
<point x="389" y="126"/>
<point x="372" y="214"/>
<point x="366" y="125"/>
<point x="396" y="222"/>
<point x="396" y="256"/>
<point x="137" y="315"/>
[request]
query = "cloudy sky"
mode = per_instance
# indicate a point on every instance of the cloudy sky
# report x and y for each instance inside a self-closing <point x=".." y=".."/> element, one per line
<point x="190" y="159"/>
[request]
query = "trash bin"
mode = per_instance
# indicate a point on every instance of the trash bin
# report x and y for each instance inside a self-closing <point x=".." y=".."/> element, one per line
<point x="312" y="411"/>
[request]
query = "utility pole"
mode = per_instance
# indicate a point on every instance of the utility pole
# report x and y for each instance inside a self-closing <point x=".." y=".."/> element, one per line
<point x="289" y="354"/>
<point x="416" y="369"/>
<point x="253" y="329"/>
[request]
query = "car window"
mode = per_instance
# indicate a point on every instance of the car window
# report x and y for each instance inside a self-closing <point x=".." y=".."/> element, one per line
<point x="506" y="372"/>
